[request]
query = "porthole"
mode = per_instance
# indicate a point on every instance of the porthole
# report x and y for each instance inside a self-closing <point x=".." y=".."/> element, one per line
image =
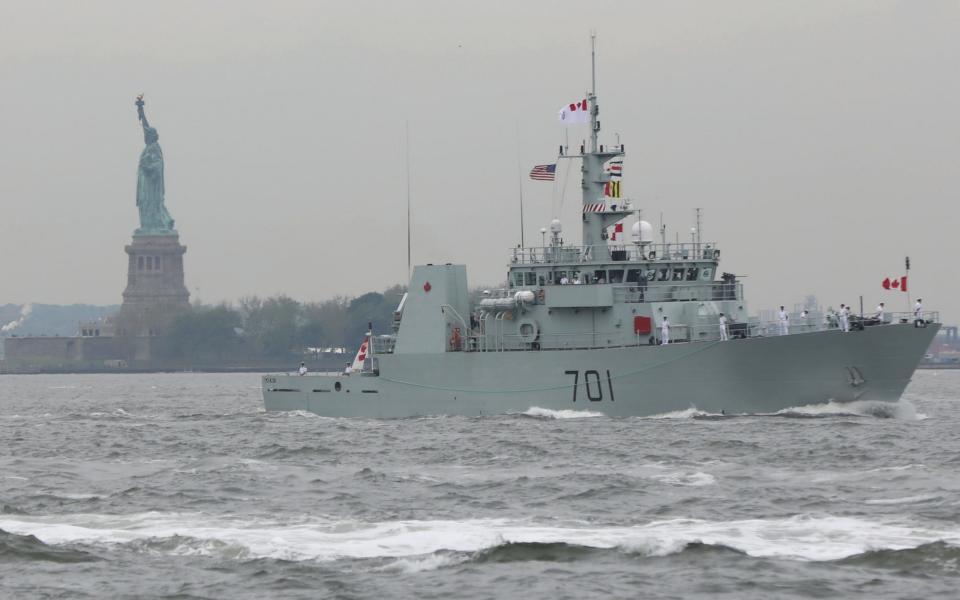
<point x="337" y="386"/>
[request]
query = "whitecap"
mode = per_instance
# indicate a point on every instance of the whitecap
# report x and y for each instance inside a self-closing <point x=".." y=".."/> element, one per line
<point x="907" y="467"/>
<point x="299" y="414"/>
<point x="803" y="537"/>
<point x="426" y="562"/>
<point x="903" y="410"/>
<point x="546" y="413"/>
<point x="904" y="500"/>
<point x="690" y="413"/>
<point x="695" y="479"/>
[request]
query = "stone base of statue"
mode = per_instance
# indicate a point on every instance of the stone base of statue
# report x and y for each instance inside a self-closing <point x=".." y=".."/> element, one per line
<point x="155" y="292"/>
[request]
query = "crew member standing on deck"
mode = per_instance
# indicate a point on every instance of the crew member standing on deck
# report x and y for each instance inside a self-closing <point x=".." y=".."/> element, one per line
<point x="303" y="369"/>
<point x="880" y="313"/>
<point x="784" y="321"/>
<point x="665" y="331"/>
<point x="723" y="328"/>
<point x="845" y="318"/>
<point x="918" y="313"/>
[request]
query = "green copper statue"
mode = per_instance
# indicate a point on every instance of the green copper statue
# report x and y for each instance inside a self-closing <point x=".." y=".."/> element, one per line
<point x="154" y="218"/>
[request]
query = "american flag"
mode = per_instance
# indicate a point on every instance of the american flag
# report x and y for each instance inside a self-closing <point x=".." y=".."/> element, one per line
<point x="543" y="172"/>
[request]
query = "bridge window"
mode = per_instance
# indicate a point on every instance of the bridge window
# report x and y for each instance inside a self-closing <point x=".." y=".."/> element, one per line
<point x="517" y="279"/>
<point x="663" y="274"/>
<point x="600" y="276"/>
<point x="616" y="275"/>
<point x="692" y="274"/>
<point x="531" y="278"/>
<point x="633" y="275"/>
<point x="678" y="274"/>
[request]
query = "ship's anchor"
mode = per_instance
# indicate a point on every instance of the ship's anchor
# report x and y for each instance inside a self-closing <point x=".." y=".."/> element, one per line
<point x="856" y="377"/>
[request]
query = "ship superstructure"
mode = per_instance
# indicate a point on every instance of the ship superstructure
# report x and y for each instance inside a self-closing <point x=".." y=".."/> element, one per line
<point x="580" y="327"/>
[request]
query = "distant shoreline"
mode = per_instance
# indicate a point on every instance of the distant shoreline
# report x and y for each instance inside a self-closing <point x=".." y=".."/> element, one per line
<point x="146" y="370"/>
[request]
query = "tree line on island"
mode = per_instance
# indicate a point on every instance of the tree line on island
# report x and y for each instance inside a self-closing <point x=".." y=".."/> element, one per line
<point x="278" y="329"/>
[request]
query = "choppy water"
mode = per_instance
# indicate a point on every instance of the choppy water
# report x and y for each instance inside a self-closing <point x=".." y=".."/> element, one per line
<point x="179" y="486"/>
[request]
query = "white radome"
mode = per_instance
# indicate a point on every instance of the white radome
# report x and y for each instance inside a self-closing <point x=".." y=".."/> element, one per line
<point x="642" y="233"/>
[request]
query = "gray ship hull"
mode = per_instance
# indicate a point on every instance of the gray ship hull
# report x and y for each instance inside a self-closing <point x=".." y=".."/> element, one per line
<point x="746" y="376"/>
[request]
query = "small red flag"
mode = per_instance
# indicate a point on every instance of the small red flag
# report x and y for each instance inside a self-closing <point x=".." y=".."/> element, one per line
<point x="618" y="228"/>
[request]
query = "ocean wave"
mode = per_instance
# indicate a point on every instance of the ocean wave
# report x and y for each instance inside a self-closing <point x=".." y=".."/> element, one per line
<point x="279" y="451"/>
<point x="936" y="558"/>
<point x="546" y="413"/>
<point x="689" y="413"/>
<point x="296" y="414"/>
<point x="803" y="538"/>
<point x="27" y="548"/>
<point x="902" y="410"/>
<point x="904" y="500"/>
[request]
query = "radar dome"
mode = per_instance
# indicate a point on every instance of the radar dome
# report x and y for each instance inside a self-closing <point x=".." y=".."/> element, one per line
<point x="642" y="233"/>
<point x="555" y="226"/>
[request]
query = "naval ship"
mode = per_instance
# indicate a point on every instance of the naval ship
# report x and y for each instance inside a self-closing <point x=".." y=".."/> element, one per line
<point x="580" y="327"/>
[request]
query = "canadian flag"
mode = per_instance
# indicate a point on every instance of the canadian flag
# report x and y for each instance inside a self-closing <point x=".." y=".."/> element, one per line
<point x="618" y="228"/>
<point x="361" y="354"/>
<point x="895" y="283"/>
<point x="576" y="112"/>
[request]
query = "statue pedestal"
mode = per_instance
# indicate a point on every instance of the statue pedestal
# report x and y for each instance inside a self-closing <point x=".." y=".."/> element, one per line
<point x="155" y="292"/>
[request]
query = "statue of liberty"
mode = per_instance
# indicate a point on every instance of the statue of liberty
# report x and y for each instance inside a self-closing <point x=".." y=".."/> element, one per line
<point x="154" y="218"/>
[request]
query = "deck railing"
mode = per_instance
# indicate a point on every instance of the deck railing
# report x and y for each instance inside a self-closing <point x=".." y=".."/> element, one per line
<point x="663" y="291"/>
<point x="494" y="341"/>
<point x="614" y="252"/>
<point x="679" y="333"/>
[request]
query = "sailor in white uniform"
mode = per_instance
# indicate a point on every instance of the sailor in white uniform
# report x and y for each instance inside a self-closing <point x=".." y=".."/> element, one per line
<point x="918" y="313"/>
<point x="844" y="318"/>
<point x="784" y="321"/>
<point x="303" y="369"/>
<point x="723" y="328"/>
<point x="881" y="316"/>
<point x="665" y="331"/>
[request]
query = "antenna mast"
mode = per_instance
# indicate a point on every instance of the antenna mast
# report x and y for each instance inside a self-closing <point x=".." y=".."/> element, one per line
<point x="594" y="126"/>
<point x="520" y="184"/>
<point x="699" y="227"/>
<point x="408" y="197"/>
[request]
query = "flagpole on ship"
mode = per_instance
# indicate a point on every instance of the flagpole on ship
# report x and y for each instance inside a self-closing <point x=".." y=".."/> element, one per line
<point x="907" y="279"/>
<point x="520" y="184"/>
<point x="593" y="91"/>
<point x="409" y="269"/>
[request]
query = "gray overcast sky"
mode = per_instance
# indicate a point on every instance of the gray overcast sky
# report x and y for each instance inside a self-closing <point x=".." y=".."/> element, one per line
<point x="822" y="139"/>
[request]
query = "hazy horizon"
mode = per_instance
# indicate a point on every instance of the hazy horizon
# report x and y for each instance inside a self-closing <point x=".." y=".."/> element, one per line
<point x="821" y="139"/>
